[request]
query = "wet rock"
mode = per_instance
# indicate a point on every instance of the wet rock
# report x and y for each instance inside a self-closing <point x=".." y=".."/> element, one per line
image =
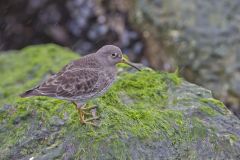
<point x="144" y="115"/>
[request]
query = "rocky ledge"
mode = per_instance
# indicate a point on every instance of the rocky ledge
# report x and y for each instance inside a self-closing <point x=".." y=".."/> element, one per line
<point x="145" y="115"/>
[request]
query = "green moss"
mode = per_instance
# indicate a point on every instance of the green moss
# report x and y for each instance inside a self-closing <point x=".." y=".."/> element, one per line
<point x="142" y="119"/>
<point x="145" y="117"/>
<point x="199" y="130"/>
<point x="24" y="70"/>
<point x="213" y="101"/>
<point x="233" y="139"/>
<point x="208" y="111"/>
<point x="216" y="105"/>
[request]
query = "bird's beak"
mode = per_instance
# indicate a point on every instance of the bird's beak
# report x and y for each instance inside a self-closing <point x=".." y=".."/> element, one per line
<point x="129" y="63"/>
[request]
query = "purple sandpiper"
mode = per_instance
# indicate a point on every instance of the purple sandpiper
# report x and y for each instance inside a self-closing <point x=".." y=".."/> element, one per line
<point x="83" y="79"/>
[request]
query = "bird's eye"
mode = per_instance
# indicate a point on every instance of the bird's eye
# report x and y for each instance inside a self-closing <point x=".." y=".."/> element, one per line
<point x="114" y="55"/>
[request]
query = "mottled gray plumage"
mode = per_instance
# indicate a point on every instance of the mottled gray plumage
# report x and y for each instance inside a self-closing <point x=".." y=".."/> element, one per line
<point x="83" y="79"/>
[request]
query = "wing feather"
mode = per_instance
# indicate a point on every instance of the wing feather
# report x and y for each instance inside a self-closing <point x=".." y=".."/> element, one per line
<point x="69" y="84"/>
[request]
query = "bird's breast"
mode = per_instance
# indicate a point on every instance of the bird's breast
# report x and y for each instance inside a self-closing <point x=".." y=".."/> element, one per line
<point x="106" y="79"/>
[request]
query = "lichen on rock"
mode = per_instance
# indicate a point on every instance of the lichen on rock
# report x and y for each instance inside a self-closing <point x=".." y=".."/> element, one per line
<point x="144" y="115"/>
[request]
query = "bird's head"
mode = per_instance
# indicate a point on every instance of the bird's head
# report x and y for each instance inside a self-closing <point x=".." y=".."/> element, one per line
<point x="111" y="55"/>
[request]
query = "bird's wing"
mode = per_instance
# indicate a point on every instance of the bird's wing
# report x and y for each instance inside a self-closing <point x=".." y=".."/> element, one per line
<point x="70" y="83"/>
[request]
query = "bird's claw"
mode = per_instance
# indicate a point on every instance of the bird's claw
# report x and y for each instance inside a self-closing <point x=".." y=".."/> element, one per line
<point x="84" y="111"/>
<point x="89" y="121"/>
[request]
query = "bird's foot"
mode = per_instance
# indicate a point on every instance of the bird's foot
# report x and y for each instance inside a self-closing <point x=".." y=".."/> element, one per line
<point x="89" y="112"/>
<point x="86" y="113"/>
<point x="89" y="121"/>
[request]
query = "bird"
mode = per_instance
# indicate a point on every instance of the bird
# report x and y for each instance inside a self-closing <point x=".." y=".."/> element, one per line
<point x="82" y="80"/>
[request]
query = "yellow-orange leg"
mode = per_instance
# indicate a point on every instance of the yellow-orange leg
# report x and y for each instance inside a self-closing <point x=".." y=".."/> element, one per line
<point x="82" y="112"/>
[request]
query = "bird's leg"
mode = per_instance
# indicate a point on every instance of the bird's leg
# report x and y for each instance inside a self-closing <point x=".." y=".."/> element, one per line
<point x="82" y="114"/>
<point x="91" y="109"/>
<point x="82" y="108"/>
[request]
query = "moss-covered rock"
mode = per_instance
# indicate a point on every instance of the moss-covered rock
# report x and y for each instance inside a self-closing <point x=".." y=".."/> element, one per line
<point x="200" y="37"/>
<point x="145" y="115"/>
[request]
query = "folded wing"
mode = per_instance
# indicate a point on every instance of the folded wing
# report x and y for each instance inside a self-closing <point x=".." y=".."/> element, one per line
<point x="68" y="84"/>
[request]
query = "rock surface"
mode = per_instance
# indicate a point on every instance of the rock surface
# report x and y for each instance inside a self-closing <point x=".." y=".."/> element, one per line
<point x="145" y="115"/>
<point x="202" y="35"/>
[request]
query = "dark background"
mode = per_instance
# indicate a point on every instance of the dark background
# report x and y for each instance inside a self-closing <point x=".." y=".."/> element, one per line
<point x="82" y="25"/>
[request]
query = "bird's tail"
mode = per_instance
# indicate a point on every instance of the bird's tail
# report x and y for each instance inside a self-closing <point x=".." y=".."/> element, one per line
<point x="29" y="93"/>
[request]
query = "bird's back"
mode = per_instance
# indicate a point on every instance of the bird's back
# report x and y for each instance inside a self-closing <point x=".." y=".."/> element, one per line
<point x="80" y="80"/>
